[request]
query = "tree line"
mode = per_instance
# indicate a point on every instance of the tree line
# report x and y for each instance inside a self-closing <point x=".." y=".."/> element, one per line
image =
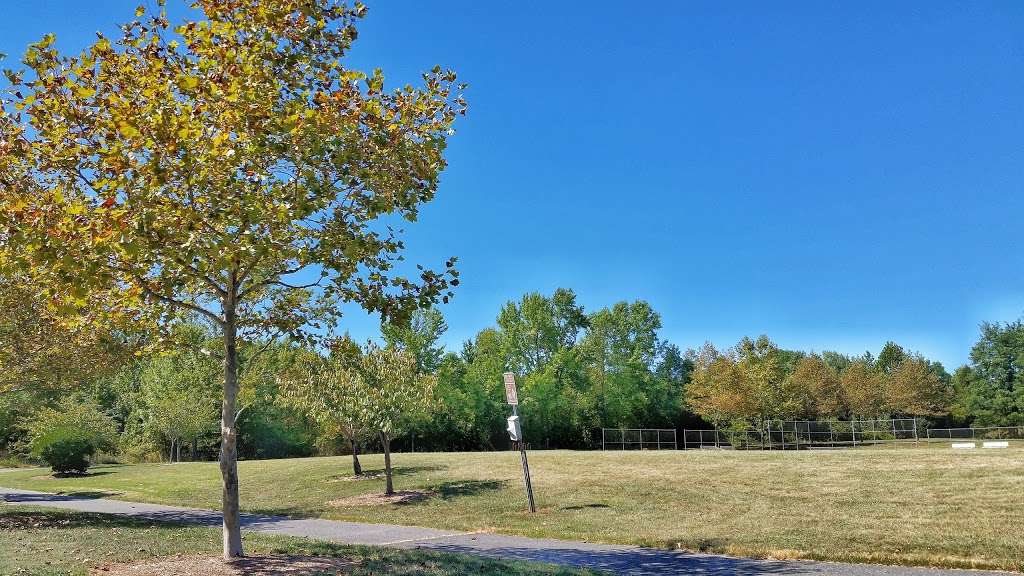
<point x="578" y="371"/>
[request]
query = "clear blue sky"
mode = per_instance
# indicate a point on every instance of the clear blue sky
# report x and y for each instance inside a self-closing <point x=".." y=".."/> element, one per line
<point x="830" y="174"/>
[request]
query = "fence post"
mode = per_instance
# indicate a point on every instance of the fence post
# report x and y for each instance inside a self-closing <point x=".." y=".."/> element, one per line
<point x="916" y="440"/>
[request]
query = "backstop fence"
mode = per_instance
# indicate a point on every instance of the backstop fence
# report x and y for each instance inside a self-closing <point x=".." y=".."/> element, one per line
<point x="638" y="439"/>
<point x="805" y="434"/>
<point x="976" y="433"/>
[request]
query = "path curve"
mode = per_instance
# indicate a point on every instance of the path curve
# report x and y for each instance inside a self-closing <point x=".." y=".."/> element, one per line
<point x="619" y="559"/>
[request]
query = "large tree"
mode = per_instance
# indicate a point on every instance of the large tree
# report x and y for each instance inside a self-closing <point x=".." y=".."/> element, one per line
<point x="231" y="166"/>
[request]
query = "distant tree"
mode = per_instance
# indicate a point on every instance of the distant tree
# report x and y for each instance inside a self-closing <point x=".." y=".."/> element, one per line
<point x="230" y="167"/>
<point x="333" y="393"/>
<point x="990" y="392"/>
<point x="835" y="360"/>
<point x="862" y="387"/>
<point x="537" y="326"/>
<point x="482" y="385"/>
<point x="761" y="362"/>
<point x="621" y="347"/>
<point x="914" y="388"/>
<point x="179" y="398"/>
<point x="819" y="385"/>
<point x="720" y="391"/>
<point x="396" y="396"/>
<point x="890" y="358"/>
<point x="420" y="336"/>
<point x="668" y="395"/>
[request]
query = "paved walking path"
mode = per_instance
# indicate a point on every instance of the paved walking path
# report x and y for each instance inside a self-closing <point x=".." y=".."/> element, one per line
<point x="631" y="560"/>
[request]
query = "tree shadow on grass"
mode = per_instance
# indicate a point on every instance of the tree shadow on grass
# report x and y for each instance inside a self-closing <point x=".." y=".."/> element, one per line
<point x="456" y="489"/>
<point x="378" y="473"/>
<point x="88" y="494"/>
<point x="585" y="507"/>
<point x="21" y="519"/>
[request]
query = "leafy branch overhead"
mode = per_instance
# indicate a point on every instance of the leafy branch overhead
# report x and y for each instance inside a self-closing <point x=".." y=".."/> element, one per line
<point x="229" y="157"/>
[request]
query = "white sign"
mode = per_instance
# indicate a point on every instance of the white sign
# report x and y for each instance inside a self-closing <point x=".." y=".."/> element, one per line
<point x="1003" y="444"/>
<point x="963" y="445"/>
<point x="511" y="396"/>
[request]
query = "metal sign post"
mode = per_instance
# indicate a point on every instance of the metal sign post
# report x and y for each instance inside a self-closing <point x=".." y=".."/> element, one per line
<point x="515" y="432"/>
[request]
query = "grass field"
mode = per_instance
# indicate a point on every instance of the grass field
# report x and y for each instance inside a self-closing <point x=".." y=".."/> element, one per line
<point x="44" y="542"/>
<point x="935" y="507"/>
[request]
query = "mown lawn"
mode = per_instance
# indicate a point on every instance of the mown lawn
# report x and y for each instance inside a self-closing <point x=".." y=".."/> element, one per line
<point x="46" y="542"/>
<point x="934" y="507"/>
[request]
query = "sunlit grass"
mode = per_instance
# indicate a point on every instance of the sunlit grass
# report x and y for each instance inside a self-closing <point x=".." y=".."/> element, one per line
<point x="910" y="506"/>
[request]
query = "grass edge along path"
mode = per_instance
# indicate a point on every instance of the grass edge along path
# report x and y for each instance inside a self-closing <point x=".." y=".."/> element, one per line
<point x="49" y="542"/>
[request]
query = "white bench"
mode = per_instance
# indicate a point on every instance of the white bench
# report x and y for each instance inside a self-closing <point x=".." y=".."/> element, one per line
<point x="963" y="445"/>
<point x="1000" y="444"/>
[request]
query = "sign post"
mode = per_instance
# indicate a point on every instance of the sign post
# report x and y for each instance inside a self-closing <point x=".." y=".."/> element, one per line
<point x="515" y="431"/>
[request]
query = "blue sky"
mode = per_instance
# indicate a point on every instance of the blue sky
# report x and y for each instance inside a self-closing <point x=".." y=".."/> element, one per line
<point x="831" y="174"/>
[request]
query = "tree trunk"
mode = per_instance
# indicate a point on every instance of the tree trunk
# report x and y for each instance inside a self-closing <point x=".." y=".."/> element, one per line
<point x="357" y="468"/>
<point x="386" y="443"/>
<point x="229" y="436"/>
<point x="195" y="448"/>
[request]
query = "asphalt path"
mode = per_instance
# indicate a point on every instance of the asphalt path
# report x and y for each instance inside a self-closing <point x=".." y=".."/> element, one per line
<point x="631" y="560"/>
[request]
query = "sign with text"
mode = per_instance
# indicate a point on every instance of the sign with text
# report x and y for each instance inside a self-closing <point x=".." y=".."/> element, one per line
<point x="511" y="396"/>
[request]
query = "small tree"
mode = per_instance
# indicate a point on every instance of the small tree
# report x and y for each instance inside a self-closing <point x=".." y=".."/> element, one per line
<point x="332" y="392"/>
<point x="231" y="167"/>
<point x="397" y="396"/>
<point x="67" y="435"/>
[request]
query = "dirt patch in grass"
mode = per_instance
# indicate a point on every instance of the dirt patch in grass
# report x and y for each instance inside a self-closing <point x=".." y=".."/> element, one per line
<point x="215" y="566"/>
<point x="399" y="497"/>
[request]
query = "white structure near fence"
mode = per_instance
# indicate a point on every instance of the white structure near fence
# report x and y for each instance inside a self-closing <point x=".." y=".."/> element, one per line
<point x="638" y="439"/>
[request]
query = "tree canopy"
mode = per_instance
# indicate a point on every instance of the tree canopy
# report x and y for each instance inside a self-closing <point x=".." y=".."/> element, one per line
<point x="229" y="166"/>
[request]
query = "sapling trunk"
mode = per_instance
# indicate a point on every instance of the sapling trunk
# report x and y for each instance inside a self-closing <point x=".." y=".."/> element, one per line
<point x="385" y="441"/>
<point x="357" y="468"/>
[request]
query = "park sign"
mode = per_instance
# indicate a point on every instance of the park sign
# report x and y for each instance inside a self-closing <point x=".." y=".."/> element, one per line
<point x="515" y="432"/>
<point x="511" y="395"/>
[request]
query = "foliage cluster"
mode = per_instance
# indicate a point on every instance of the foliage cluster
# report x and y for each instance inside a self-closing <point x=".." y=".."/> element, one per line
<point x="757" y="381"/>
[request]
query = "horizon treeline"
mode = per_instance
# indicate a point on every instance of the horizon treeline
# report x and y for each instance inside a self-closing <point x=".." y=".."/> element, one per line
<point x="577" y="370"/>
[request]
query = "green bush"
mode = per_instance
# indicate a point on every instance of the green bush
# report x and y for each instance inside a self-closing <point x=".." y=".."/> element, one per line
<point x="66" y="451"/>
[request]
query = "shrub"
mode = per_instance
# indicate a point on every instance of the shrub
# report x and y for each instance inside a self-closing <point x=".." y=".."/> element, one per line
<point x="66" y="451"/>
